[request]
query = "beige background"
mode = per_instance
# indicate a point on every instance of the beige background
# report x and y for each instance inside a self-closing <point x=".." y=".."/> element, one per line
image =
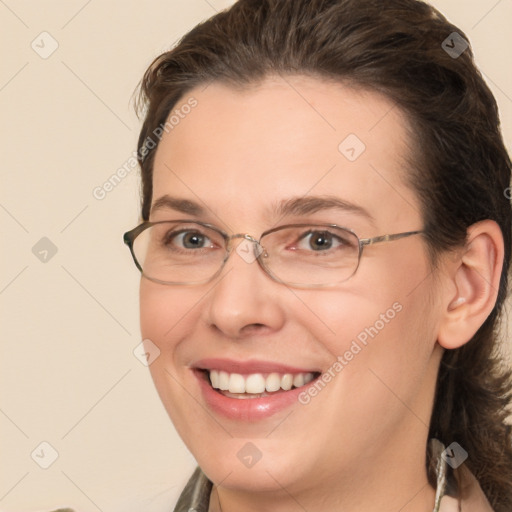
<point x="68" y="373"/>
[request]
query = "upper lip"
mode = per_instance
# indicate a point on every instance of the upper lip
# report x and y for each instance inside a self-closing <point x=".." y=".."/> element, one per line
<point x="248" y="366"/>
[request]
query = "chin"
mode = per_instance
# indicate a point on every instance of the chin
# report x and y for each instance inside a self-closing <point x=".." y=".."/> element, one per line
<point x="234" y="469"/>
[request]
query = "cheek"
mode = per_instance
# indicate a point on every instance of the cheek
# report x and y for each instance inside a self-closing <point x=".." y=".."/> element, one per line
<point x="354" y="327"/>
<point x="165" y="313"/>
<point x="167" y="316"/>
<point x="389" y="333"/>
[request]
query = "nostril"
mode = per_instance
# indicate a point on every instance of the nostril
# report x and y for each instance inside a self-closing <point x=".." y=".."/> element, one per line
<point x="254" y="328"/>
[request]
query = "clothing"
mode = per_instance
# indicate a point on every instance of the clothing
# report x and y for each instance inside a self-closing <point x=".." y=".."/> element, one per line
<point x="456" y="490"/>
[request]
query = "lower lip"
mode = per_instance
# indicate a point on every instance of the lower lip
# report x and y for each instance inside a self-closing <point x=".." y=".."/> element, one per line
<point x="246" y="409"/>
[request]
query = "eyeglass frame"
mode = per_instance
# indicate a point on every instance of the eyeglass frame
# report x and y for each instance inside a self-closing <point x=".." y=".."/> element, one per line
<point x="130" y="236"/>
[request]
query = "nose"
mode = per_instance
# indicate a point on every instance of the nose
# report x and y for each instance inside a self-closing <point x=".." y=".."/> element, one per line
<point x="244" y="300"/>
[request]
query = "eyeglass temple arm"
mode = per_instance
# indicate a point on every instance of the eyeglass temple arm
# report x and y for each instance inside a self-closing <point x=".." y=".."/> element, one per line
<point x="387" y="238"/>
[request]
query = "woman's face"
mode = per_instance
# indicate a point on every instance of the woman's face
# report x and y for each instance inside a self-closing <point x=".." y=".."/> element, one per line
<point x="239" y="157"/>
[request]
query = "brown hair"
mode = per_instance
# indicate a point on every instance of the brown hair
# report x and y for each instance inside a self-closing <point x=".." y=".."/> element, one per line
<point x="460" y="172"/>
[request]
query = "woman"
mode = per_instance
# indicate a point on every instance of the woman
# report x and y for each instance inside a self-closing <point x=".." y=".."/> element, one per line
<point x="325" y="246"/>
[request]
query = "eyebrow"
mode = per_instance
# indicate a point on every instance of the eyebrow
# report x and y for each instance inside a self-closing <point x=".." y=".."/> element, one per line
<point x="299" y="206"/>
<point x="312" y="204"/>
<point x="180" y="205"/>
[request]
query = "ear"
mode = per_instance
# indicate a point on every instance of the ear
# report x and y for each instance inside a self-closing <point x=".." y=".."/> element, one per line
<point x="475" y="275"/>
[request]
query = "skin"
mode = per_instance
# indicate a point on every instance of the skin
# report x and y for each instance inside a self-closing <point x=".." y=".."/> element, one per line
<point x="360" y="443"/>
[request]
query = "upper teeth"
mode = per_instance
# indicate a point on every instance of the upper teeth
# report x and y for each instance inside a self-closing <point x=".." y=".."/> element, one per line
<point x="257" y="382"/>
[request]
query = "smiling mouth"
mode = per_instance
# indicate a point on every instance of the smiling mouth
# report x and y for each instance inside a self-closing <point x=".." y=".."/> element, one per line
<point x="256" y="385"/>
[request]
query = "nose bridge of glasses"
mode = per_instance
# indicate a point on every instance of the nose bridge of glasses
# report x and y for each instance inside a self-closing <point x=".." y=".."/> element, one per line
<point x="237" y="236"/>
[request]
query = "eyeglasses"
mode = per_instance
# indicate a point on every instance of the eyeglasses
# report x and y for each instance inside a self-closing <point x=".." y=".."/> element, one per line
<point x="183" y="252"/>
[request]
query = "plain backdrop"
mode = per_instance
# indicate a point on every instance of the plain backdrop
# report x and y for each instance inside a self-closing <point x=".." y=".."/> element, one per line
<point x="68" y="288"/>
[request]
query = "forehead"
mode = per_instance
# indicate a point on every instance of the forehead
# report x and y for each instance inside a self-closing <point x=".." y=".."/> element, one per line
<point x="241" y="151"/>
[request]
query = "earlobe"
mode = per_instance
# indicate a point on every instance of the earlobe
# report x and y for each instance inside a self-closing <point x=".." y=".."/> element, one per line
<point x="476" y="277"/>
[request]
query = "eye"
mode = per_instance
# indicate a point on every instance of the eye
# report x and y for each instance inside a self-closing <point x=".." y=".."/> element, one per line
<point x="316" y="241"/>
<point x="322" y="240"/>
<point x="189" y="239"/>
